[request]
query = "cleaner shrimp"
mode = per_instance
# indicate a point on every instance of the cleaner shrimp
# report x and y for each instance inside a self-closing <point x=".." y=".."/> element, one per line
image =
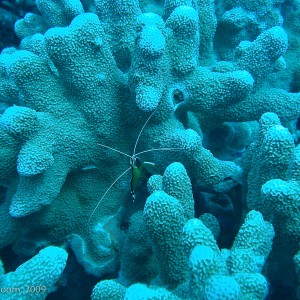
<point x="137" y="166"/>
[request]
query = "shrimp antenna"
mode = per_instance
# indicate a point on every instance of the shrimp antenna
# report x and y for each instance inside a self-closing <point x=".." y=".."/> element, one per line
<point x="158" y="149"/>
<point x="113" y="149"/>
<point x="137" y="140"/>
<point x="107" y="192"/>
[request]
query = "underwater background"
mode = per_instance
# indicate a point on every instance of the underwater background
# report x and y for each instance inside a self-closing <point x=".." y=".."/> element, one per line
<point x="150" y="149"/>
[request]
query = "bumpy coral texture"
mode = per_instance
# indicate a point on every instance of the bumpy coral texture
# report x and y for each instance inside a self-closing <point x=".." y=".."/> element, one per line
<point x="88" y="76"/>
<point x="190" y="263"/>
<point x="108" y="289"/>
<point x="228" y="274"/>
<point x="272" y="167"/>
<point x="37" y="277"/>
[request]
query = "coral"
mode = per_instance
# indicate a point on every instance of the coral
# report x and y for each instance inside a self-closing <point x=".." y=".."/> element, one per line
<point x="211" y="222"/>
<point x="10" y="12"/>
<point x="196" y="233"/>
<point x="164" y="220"/>
<point x="272" y="166"/>
<point x="199" y="96"/>
<point x="184" y="39"/>
<point x="270" y="157"/>
<point x="235" y="273"/>
<point x="255" y="235"/>
<point x="176" y="183"/>
<point x="282" y="197"/>
<point x="42" y="272"/>
<point x="210" y="273"/>
<point x="137" y="262"/>
<point x="108" y="289"/>
<point x="222" y="287"/>
<point x="68" y="130"/>
<point x="244" y="20"/>
<point x="251" y="56"/>
<point x="140" y="291"/>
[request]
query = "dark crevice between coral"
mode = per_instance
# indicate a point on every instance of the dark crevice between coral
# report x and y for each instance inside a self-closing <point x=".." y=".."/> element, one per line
<point x="11" y="261"/>
<point x="227" y="208"/>
<point x="10" y="12"/>
<point x="295" y="84"/>
<point x="75" y="283"/>
<point x="279" y="291"/>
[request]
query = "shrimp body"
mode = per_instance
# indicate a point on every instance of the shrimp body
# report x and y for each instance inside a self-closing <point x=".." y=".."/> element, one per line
<point x="137" y="166"/>
<point x="136" y="173"/>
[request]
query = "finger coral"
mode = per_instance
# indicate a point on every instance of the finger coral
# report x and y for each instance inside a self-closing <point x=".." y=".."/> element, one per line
<point x="198" y="101"/>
